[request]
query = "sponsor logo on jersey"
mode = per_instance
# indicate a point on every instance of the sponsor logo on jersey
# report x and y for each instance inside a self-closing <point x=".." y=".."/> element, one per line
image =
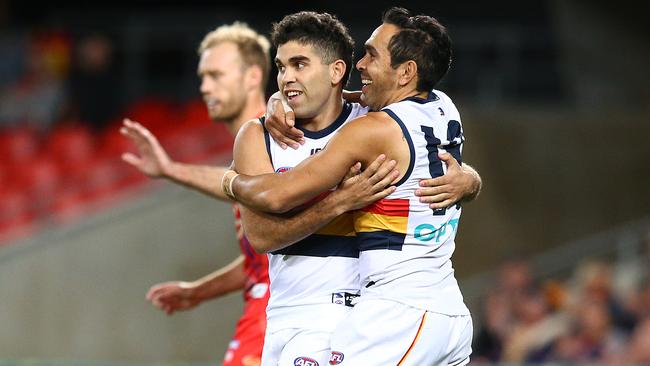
<point x="428" y="232"/>
<point x="336" y="358"/>
<point x="283" y="169"/>
<point x="305" y="361"/>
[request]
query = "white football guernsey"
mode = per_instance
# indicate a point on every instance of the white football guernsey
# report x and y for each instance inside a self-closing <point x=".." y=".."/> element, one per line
<point x="406" y="247"/>
<point x="309" y="279"/>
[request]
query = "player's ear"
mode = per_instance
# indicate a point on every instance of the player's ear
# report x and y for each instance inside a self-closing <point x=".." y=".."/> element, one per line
<point x="337" y="71"/>
<point x="407" y="72"/>
<point x="253" y="77"/>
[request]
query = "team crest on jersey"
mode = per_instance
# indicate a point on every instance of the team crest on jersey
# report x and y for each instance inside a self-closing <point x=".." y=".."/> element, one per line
<point x="283" y="169"/>
<point x="336" y="358"/>
<point x="305" y="361"/>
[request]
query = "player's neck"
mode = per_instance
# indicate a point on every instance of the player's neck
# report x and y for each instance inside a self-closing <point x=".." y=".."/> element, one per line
<point x="326" y="116"/>
<point x="404" y="93"/>
<point x="254" y="108"/>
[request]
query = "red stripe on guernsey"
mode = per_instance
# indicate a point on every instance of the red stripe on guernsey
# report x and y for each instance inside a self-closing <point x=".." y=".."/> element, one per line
<point x="396" y="207"/>
<point x="415" y="340"/>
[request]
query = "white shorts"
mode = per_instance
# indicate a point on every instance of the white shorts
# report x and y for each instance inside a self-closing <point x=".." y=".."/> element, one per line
<point x="296" y="347"/>
<point x="384" y="332"/>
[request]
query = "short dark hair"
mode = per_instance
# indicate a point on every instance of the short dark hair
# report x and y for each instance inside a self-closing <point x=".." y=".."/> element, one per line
<point x="422" y="39"/>
<point x="323" y="31"/>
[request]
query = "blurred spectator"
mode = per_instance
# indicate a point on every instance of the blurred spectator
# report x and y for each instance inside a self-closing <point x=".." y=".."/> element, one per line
<point x="534" y="328"/>
<point x="573" y="321"/>
<point x="37" y="98"/>
<point x="638" y="351"/>
<point x="594" y="283"/>
<point x="513" y="281"/>
<point x="592" y="337"/>
<point x="94" y="88"/>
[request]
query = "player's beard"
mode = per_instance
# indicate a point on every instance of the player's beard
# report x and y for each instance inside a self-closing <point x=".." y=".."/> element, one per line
<point x="230" y="110"/>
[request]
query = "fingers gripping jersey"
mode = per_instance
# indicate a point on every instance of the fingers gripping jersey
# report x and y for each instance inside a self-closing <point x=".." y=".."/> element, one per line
<point x="405" y="247"/>
<point x="306" y="274"/>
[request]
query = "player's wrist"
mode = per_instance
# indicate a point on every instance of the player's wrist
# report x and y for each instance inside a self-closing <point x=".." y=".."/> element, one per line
<point x="194" y="291"/>
<point x="337" y="203"/>
<point x="470" y="185"/>
<point x="227" y="183"/>
<point x="170" y="170"/>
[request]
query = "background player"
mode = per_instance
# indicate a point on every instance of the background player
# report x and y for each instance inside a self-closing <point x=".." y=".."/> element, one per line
<point x="234" y="66"/>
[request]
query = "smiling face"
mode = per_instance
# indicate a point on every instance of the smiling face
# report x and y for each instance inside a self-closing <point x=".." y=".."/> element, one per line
<point x="379" y="79"/>
<point x="303" y="78"/>
<point x="222" y="81"/>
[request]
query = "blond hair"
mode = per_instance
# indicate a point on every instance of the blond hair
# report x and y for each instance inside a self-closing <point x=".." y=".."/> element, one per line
<point x="253" y="47"/>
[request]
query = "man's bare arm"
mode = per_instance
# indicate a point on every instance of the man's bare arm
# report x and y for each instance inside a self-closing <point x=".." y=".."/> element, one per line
<point x="180" y="295"/>
<point x="154" y="162"/>
<point x="360" y="140"/>
<point x="456" y="185"/>
<point x="268" y="232"/>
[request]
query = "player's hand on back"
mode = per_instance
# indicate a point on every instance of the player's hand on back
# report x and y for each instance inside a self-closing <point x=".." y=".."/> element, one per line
<point x="353" y="96"/>
<point x="173" y="296"/>
<point x="153" y="160"/>
<point x="447" y="189"/>
<point x="360" y="189"/>
<point x="280" y="121"/>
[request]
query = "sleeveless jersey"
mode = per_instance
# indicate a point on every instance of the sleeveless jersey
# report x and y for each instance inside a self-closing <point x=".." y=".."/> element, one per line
<point x="406" y="247"/>
<point x="308" y="276"/>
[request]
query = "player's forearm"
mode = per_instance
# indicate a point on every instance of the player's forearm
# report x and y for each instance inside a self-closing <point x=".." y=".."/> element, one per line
<point x="267" y="232"/>
<point x="203" y="178"/>
<point x="222" y="281"/>
<point x="267" y="193"/>
<point x="476" y="183"/>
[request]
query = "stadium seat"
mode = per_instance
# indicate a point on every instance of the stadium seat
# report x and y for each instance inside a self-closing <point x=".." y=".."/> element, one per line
<point x="71" y="145"/>
<point x="195" y="113"/>
<point x="16" y="217"/>
<point x="152" y="112"/>
<point x="18" y="144"/>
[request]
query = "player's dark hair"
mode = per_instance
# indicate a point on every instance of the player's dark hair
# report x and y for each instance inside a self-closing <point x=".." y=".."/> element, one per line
<point x="323" y="31"/>
<point x="422" y="39"/>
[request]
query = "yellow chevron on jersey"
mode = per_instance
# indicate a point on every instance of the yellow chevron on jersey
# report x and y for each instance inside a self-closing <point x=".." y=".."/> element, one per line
<point x="343" y="225"/>
<point x="383" y="215"/>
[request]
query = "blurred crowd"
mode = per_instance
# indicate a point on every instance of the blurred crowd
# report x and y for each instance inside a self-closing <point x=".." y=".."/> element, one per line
<point x="61" y="107"/>
<point x="600" y="314"/>
<point x="52" y="77"/>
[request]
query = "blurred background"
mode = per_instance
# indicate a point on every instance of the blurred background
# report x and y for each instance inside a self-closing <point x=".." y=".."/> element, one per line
<point x="552" y="258"/>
